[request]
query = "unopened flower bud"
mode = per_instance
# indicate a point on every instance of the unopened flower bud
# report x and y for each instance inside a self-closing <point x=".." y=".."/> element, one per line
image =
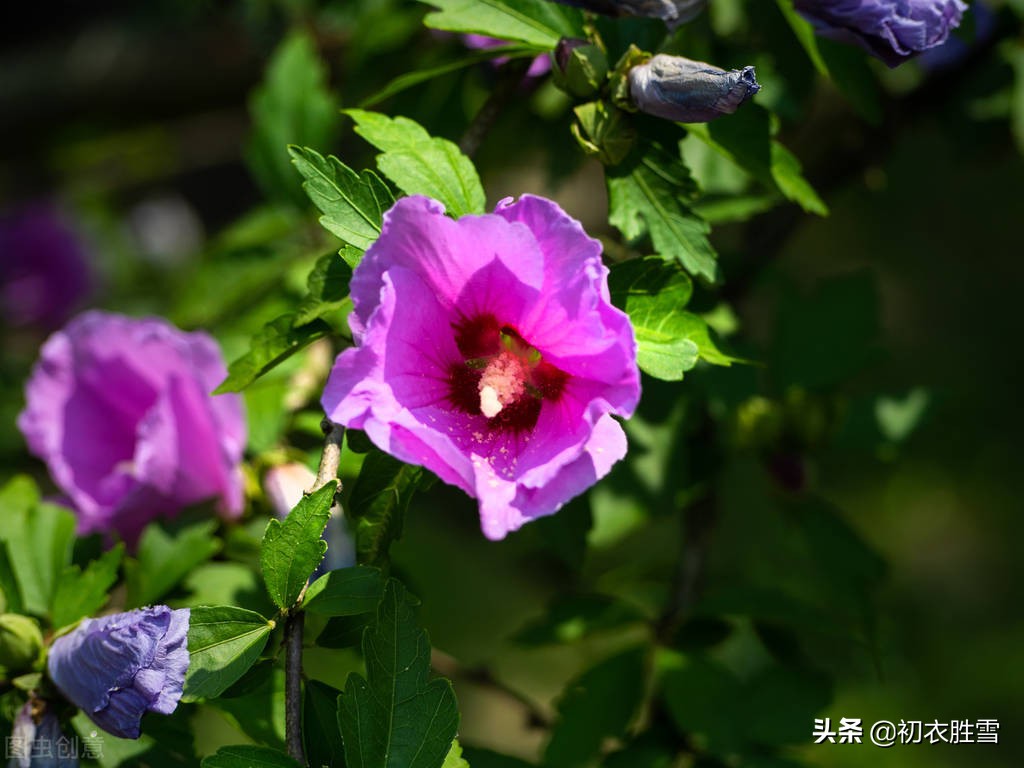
<point x="36" y="741"/>
<point x="581" y="67"/>
<point x="672" y="12"/>
<point x="689" y="91"/>
<point x="20" y="642"/>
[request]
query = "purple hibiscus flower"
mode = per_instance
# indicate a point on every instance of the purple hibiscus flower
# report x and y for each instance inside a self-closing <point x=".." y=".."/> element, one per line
<point x="44" y="270"/>
<point x="119" y="409"/>
<point x="488" y="351"/>
<point x="36" y="740"/>
<point x="540" y="66"/>
<point x="689" y="91"/>
<point x="117" y="668"/>
<point x="892" y="30"/>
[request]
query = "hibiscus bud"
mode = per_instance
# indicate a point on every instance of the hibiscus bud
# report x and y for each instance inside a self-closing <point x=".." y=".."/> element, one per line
<point x="581" y="67"/>
<point x="116" y="668"/>
<point x="890" y="30"/>
<point x="672" y="12"/>
<point x="36" y="741"/>
<point x="20" y="642"/>
<point x="144" y="387"/>
<point x="689" y="91"/>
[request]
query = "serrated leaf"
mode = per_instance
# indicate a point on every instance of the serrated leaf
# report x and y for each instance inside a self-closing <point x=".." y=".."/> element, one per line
<point x="352" y="204"/>
<point x="455" y="758"/>
<point x="345" y="592"/>
<point x="292" y="548"/>
<point x="380" y="496"/>
<point x="647" y="195"/>
<point x="292" y="106"/>
<point x="421" y="164"/>
<point x="324" y="746"/>
<point x="670" y="340"/>
<point x="327" y="285"/>
<point x="248" y="756"/>
<point x="395" y="718"/>
<point x="80" y="594"/>
<point x="535" y="22"/>
<point x="223" y="642"/>
<point x="274" y="343"/>
<point x="597" y="705"/>
<point x="164" y="558"/>
<point x="745" y="140"/>
<point x="38" y="537"/>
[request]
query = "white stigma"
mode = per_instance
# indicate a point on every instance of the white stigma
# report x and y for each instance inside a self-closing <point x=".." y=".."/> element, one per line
<point x="490" y="405"/>
<point x="501" y="384"/>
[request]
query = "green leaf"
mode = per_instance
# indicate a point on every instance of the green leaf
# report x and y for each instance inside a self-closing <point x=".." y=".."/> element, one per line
<point x="324" y="746"/>
<point x="292" y="106"/>
<point x="256" y="706"/>
<point x="669" y="339"/>
<point x="165" y="557"/>
<point x="647" y="195"/>
<point x="248" y="756"/>
<point x="1013" y="53"/>
<point x="39" y="537"/>
<point x="81" y="594"/>
<point x="597" y="705"/>
<point x="455" y="758"/>
<point x="352" y="204"/>
<point x="292" y="548"/>
<point x="703" y="698"/>
<point x="573" y="617"/>
<point x="345" y="592"/>
<point x="899" y="417"/>
<point x="380" y="496"/>
<point x="410" y="79"/>
<point x="276" y="342"/>
<point x="534" y="22"/>
<point x="420" y="164"/>
<point x="824" y="338"/>
<point x="328" y="286"/>
<point x="745" y="139"/>
<point x="395" y="718"/>
<point x="223" y="642"/>
<point x="844" y="65"/>
<point x="10" y="595"/>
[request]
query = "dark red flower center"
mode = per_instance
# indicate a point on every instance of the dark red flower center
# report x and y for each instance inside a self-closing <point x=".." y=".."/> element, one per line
<point x="501" y="375"/>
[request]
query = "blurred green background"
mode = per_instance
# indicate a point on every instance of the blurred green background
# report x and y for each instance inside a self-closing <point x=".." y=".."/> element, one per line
<point x="895" y="317"/>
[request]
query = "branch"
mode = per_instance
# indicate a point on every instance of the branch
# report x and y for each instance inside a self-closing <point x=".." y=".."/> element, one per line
<point x="512" y="75"/>
<point x="449" y="666"/>
<point x="294" y="623"/>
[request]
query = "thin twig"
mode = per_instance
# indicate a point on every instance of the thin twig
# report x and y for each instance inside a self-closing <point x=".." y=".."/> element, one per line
<point x="293" y="627"/>
<point x="295" y="620"/>
<point x="511" y="81"/>
<point x="450" y="667"/>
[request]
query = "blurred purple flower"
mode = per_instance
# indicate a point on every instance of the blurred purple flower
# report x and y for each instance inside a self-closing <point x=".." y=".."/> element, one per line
<point x="488" y="351"/>
<point x="538" y="67"/>
<point x="119" y="409"/>
<point x="892" y="30"/>
<point x="39" y="744"/>
<point x="44" y="269"/>
<point x="284" y="485"/>
<point x="117" y="668"/>
<point x="950" y="53"/>
<point x="689" y="91"/>
<point x="672" y="12"/>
